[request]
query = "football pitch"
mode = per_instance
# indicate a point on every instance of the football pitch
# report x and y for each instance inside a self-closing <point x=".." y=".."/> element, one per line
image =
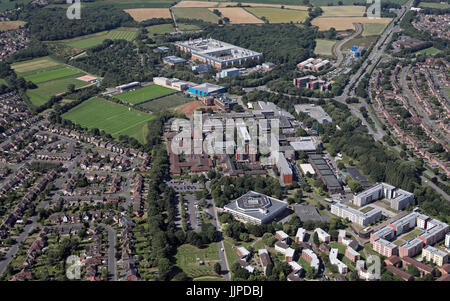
<point x="46" y="76"/>
<point x="90" y="41"/>
<point x="143" y="94"/>
<point x="113" y="118"/>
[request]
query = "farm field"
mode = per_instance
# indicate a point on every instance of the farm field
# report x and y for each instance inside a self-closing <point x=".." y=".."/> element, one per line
<point x="343" y="11"/>
<point x="434" y="5"/>
<point x="196" y="4"/>
<point x="238" y="15"/>
<point x="45" y="76"/>
<point x="188" y="27"/>
<point x="128" y="4"/>
<point x="142" y="14"/>
<point x="159" y="29"/>
<point x="373" y="29"/>
<point x="188" y="259"/>
<point x="201" y="13"/>
<point x="324" y="47"/>
<point x="43" y="63"/>
<point x="143" y="94"/>
<point x="278" y="15"/>
<point x="166" y="103"/>
<point x="44" y="91"/>
<point x="346" y="22"/>
<point x="8" y="25"/>
<point x="92" y="40"/>
<point x="113" y="118"/>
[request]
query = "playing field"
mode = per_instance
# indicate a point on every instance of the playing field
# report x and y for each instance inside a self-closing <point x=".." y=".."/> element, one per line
<point x="142" y="14"/>
<point x="343" y="11"/>
<point x="43" y="63"/>
<point x="46" y="76"/>
<point x="345" y="23"/>
<point x="429" y="51"/>
<point x="278" y="15"/>
<point x="8" y="25"/>
<point x="324" y="47"/>
<point x="113" y="118"/>
<point x="143" y="94"/>
<point x="188" y="259"/>
<point x="44" y="91"/>
<point x="159" y="29"/>
<point x="166" y="103"/>
<point x="200" y="13"/>
<point x="92" y="40"/>
<point x="373" y="29"/>
<point x="238" y="15"/>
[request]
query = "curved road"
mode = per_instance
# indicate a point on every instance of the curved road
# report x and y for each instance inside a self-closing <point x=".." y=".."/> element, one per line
<point x="337" y="47"/>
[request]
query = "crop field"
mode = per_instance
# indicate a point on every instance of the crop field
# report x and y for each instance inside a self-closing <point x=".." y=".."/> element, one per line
<point x="373" y="29"/>
<point x="345" y="22"/>
<point x="127" y="4"/>
<point x="8" y="25"/>
<point x="343" y="11"/>
<point x="46" y="76"/>
<point x="238" y="15"/>
<point x="43" y="63"/>
<point x="142" y="14"/>
<point x="44" y="91"/>
<point x="324" y="47"/>
<point x="278" y="15"/>
<point x="188" y="259"/>
<point x="113" y="118"/>
<point x="196" y="4"/>
<point x="434" y="5"/>
<point x="159" y="29"/>
<point x="143" y="94"/>
<point x="166" y="103"/>
<point x="92" y="40"/>
<point x="201" y="13"/>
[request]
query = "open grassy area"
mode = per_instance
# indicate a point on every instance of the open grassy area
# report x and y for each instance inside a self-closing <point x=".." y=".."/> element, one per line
<point x="88" y="41"/>
<point x="131" y="3"/>
<point x="366" y="42"/>
<point x="373" y="29"/>
<point x="166" y="103"/>
<point x="278" y="15"/>
<point x="366" y="209"/>
<point x="412" y="234"/>
<point x="5" y="5"/>
<point x="188" y="259"/>
<point x="46" y="76"/>
<point x="9" y="25"/>
<point x="439" y="5"/>
<point x="199" y="13"/>
<point x="324" y="47"/>
<point x="429" y="51"/>
<point x="188" y="27"/>
<point x="159" y="29"/>
<point x="344" y="23"/>
<point x="46" y="90"/>
<point x="113" y="118"/>
<point x="39" y="64"/>
<point x="343" y="11"/>
<point x="143" y="94"/>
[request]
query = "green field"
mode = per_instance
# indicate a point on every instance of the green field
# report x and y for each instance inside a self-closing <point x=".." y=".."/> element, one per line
<point x="188" y="27"/>
<point x="159" y="29"/>
<point x="8" y="4"/>
<point x="92" y="40"/>
<point x="200" y="13"/>
<point x="324" y="47"/>
<point x="165" y="103"/>
<point x="187" y="256"/>
<point x="373" y="29"/>
<point x="366" y="42"/>
<point x="429" y="51"/>
<point x="434" y="5"/>
<point x="143" y="94"/>
<point x="278" y="15"/>
<point x="39" y="64"/>
<point x="46" y="90"/>
<point x="343" y="11"/>
<point x="46" y="76"/>
<point x="114" y="119"/>
<point x="131" y="3"/>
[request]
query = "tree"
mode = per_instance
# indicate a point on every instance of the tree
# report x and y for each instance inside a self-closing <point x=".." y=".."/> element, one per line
<point x="217" y="268"/>
<point x="70" y="88"/>
<point x="316" y="239"/>
<point x="311" y="273"/>
<point x="413" y="270"/>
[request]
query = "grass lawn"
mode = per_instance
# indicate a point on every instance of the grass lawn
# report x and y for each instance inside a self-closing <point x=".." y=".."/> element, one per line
<point x="336" y="245"/>
<point x="44" y="91"/>
<point x="143" y="94"/>
<point x="230" y="250"/>
<point x="187" y="256"/>
<point x="188" y="27"/>
<point x="159" y="29"/>
<point x="200" y="13"/>
<point x="92" y="40"/>
<point x="278" y="15"/>
<point x="165" y="103"/>
<point x="366" y="209"/>
<point x="412" y="234"/>
<point x="373" y="29"/>
<point x="39" y="64"/>
<point x="343" y="11"/>
<point x="209" y="279"/>
<point x="113" y="118"/>
<point x="46" y="76"/>
<point x="435" y="5"/>
<point x="324" y="47"/>
<point x="5" y="5"/>
<point x="429" y="51"/>
<point x="360" y="41"/>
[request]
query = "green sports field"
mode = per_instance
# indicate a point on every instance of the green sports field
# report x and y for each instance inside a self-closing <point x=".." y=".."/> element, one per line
<point x="114" y="119"/>
<point x="46" y="76"/>
<point x="35" y="65"/>
<point x="166" y="103"/>
<point x="46" y="90"/>
<point x="92" y="40"/>
<point x="143" y="94"/>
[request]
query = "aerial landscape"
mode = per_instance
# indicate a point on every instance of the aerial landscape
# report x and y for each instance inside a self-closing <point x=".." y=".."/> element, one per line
<point x="213" y="141"/>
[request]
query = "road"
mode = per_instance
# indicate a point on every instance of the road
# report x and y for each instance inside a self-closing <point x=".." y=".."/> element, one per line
<point x="112" y="265"/>
<point x="337" y="47"/>
<point x="435" y="187"/>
